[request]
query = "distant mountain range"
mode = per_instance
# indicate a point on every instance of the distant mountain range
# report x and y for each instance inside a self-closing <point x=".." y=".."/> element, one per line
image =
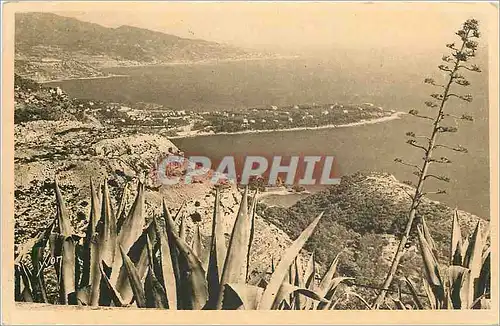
<point x="49" y="46"/>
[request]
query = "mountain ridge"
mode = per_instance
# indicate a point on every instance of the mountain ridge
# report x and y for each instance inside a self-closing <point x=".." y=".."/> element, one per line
<point x="49" y="46"/>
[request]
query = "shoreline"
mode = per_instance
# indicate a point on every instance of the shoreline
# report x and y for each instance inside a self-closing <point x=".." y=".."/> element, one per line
<point x="393" y="116"/>
<point x="164" y="64"/>
<point x="202" y="62"/>
<point x="80" y="78"/>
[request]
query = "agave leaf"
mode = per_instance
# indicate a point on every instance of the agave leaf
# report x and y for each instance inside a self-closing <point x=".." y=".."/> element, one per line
<point x="292" y="271"/>
<point x="327" y="279"/>
<point x="241" y="296"/>
<point x="447" y="304"/>
<point x="309" y="278"/>
<point x="473" y="255"/>
<point x="67" y="284"/>
<point x="96" y="274"/>
<point x="331" y="292"/>
<point x="270" y="293"/>
<point x="90" y="263"/>
<point x="37" y="257"/>
<point x="196" y="292"/>
<point x="63" y="220"/>
<point x="456" y="257"/>
<point x="428" y="237"/>
<point x="111" y="290"/>
<point x="182" y="228"/>
<point x="235" y="266"/>
<point x="120" y="213"/>
<point x="459" y="278"/>
<point x="291" y="274"/>
<point x="138" y="253"/>
<point x="286" y="289"/>
<point x="298" y="300"/>
<point x="430" y="295"/>
<point x="414" y="293"/>
<point x="133" y="278"/>
<point x="167" y="277"/>
<point x="107" y="229"/>
<point x="482" y="283"/>
<point x="174" y="253"/>
<point x="197" y="244"/>
<point x="310" y="272"/>
<point x="430" y="262"/>
<point x="130" y="231"/>
<point x="103" y="245"/>
<point x="217" y="254"/>
<point x="154" y="291"/>
<point x="432" y="272"/>
<point x="251" y="213"/>
<point x="156" y="297"/>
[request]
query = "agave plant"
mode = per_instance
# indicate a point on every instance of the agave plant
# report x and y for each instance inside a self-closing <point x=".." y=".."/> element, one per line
<point x="125" y="259"/>
<point x="465" y="282"/>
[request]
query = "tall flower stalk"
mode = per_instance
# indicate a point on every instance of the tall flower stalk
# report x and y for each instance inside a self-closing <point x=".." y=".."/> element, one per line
<point x="452" y="66"/>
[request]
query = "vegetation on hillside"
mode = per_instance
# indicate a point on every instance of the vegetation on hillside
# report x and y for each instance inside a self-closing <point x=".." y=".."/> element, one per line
<point x="364" y="215"/>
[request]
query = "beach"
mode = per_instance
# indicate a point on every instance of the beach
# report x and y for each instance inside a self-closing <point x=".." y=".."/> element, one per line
<point x="195" y="133"/>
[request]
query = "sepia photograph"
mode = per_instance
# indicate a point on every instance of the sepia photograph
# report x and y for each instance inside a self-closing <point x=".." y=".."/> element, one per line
<point x="337" y="158"/>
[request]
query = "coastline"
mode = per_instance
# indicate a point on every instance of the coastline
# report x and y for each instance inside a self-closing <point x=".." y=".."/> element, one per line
<point x="393" y="116"/>
<point x="80" y="78"/>
<point x="164" y="64"/>
<point x="203" y="62"/>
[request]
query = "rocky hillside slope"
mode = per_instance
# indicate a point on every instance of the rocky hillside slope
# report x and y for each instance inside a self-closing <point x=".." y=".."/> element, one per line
<point x="50" y="47"/>
<point x="56" y="139"/>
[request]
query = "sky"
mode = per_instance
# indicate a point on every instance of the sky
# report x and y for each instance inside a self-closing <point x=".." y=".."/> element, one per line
<point x="291" y="26"/>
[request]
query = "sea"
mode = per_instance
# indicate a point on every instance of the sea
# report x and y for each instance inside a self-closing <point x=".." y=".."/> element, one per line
<point x="392" y="83"/>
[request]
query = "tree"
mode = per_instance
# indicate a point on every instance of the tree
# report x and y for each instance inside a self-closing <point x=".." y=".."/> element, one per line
<point x="452" y="66"/>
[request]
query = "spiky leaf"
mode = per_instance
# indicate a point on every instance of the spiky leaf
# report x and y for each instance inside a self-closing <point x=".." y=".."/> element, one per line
<point x="217" y="254"/>
<point x="235" y="266"/>
<point x="135" y="281"/>
<point x="241" y="296"/>
<point x="270" y="293"/>
<point x="167" y="277"/>
<point x="196" y="292"/>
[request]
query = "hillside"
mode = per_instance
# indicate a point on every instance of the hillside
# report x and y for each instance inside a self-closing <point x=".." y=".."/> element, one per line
<point x="56" y="138"/>
<point x="364" y="215"/>
<point x="51" y="47"/>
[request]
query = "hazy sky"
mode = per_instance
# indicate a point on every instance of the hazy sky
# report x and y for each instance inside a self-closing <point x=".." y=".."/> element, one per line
<point x="292" y="26"/>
